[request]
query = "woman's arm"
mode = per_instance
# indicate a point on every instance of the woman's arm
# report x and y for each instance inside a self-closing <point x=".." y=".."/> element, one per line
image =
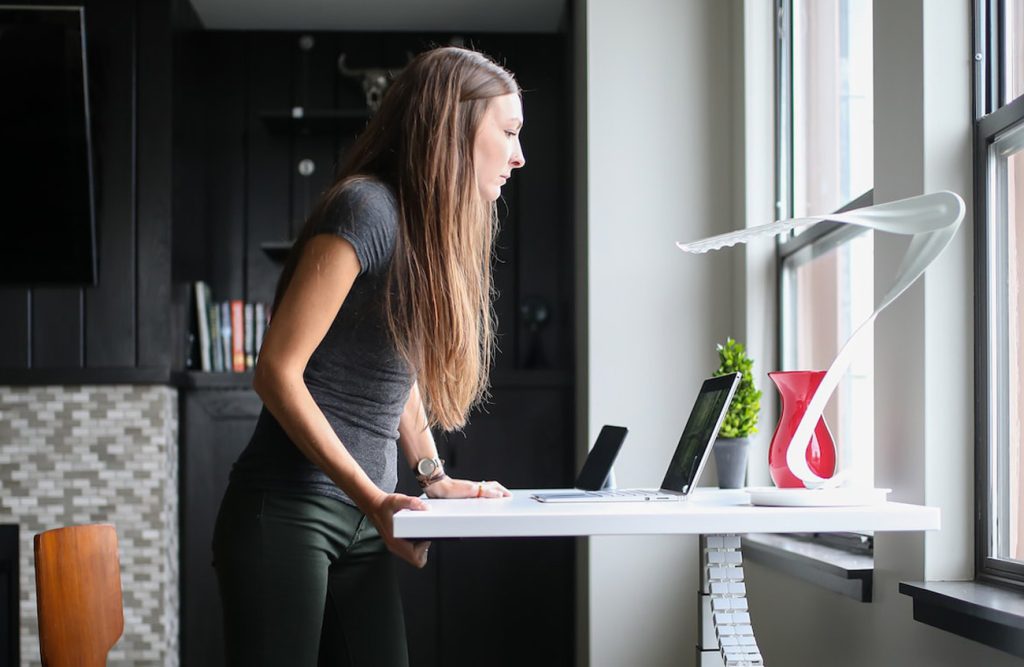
<point x="324" y="275"/>
<point x="418" y="443"/>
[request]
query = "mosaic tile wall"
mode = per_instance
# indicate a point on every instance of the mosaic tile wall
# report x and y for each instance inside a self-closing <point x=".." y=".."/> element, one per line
<point x="99" y="454"/>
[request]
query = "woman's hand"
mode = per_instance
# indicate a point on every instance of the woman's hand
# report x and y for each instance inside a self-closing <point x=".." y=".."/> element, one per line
<point x="382" y="513"/>
<point x="464" y="488"/>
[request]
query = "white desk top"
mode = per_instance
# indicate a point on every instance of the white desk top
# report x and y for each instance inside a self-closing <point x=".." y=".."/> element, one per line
<point x="708" y="511"/>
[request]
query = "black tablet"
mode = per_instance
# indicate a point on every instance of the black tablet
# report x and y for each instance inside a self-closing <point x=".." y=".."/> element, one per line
<point x="601" y="457"/>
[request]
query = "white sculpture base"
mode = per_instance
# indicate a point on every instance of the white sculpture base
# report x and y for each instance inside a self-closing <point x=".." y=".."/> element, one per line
<point x="842" y="497"/>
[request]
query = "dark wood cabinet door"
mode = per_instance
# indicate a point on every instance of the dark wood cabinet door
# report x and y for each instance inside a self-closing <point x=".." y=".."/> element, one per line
<point x="507" y="602"/>
<point x="216" y="425"/>
<point x="503" y="601"/>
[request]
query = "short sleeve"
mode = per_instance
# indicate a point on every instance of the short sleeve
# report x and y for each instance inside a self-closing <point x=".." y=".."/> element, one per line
<point x="364" y="213"/>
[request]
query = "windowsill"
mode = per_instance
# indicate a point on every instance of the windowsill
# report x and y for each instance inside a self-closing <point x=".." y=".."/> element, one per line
<point x="834" y="569"/>
<point x="987" y="614"/>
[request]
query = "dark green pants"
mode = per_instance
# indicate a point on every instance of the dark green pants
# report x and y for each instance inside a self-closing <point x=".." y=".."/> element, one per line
<point x="305" y="580"/>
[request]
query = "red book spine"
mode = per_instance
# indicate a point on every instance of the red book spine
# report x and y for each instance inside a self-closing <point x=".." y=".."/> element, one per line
<point x="237" y="336"/>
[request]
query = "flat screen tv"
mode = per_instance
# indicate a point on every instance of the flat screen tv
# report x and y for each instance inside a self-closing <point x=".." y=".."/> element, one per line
<point x="47" y="208"/>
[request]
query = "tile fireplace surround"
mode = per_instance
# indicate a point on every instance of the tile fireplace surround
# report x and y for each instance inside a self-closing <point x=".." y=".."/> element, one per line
<point x="98" y="454"/>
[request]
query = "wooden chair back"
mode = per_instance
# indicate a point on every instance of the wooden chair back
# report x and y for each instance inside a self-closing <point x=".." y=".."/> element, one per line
<point x="78" y="594"/>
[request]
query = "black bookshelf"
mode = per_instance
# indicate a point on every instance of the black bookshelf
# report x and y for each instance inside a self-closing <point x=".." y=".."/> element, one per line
<point x="276" y="250"/>
<point x="212" y="380"/>
<point x="314" y="120"/>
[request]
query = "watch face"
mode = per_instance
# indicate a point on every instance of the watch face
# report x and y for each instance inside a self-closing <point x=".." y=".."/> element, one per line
<point x="426" y="467"/>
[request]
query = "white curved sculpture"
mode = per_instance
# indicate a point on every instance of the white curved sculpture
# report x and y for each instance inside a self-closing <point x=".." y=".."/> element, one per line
<point x="931" y="220"/>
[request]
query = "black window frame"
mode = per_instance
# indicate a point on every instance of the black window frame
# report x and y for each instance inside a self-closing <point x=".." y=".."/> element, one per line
<point x="992" y="119"/>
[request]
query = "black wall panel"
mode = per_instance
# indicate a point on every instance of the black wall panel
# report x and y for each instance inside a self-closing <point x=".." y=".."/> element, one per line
<point x="314" y="76"/>
<point x="14" y="334"/>
<point x="56" y="327"/>
<point x="543" y="237"/>
<point x="122" y="323"/>
<point x="269" y="164"/>
<point x="189" y="243"/>
<point x="224" y="121"/>
<point x="154" y="91"/>
<point x="110" y="334"/>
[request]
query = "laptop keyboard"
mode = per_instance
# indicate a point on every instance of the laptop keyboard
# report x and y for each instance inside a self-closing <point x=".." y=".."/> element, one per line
<point x="624" y="493"/>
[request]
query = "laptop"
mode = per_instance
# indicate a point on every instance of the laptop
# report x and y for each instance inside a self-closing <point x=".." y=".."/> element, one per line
<point x="598" y="466"/>
<point x="689" y="458"/>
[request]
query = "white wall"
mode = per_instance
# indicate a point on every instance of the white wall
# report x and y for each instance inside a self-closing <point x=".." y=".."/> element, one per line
<point x="923" y="369"/>
<point x="659" y="168"/>
<point x="754" y="290"/>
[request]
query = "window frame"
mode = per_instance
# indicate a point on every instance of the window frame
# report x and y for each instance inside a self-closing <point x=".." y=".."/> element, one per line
<point x="992" y="119"/>
<point x="828" y="233"/>
<point x="784" y="153"/>
<point x="783" y="109"/>
<point x="824" y="237"/>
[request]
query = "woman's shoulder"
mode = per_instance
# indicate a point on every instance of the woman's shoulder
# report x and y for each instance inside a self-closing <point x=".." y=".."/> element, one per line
<point x="367" y="192"/>
<point x="357" y="202"/>
<point x="364" y="211"/>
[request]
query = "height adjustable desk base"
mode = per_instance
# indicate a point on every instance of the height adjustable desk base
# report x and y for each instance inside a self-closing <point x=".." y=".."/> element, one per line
<point x="726" y="636"/>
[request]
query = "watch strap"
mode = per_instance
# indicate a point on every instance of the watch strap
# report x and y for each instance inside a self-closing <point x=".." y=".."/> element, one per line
<point x="436" y="475"/>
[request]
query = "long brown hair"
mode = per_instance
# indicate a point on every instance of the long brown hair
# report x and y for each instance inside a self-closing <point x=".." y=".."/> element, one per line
<point x="438" y="296"/>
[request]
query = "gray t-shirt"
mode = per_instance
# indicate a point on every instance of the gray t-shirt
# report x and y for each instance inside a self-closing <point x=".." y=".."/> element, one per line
<point x="356" y="375"/>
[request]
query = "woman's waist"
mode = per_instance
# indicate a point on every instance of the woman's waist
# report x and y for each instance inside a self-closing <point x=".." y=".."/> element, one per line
<point x="271" y="454"/>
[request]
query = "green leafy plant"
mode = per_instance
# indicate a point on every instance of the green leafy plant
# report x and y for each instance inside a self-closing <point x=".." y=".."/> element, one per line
<point x="741" y="420"/>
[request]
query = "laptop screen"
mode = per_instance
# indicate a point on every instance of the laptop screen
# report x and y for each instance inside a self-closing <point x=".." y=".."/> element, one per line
<point x="700" y="432"/>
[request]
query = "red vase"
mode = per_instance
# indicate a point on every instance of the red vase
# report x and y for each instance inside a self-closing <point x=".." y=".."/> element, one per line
<point x="796" y="389"/>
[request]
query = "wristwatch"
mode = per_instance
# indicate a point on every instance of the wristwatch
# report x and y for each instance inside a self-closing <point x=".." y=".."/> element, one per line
<point x="429" y="470"/>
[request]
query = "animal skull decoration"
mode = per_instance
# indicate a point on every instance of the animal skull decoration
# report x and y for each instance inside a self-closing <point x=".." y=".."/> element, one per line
<point x="375" y="81"/>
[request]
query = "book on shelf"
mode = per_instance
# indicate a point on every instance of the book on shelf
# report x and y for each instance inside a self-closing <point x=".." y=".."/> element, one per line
<point x="237" y="336"/>
<point x="250" y="357"/>
<point x="217" y="355"/>
<point x="260" y="329"/>
<point x="225" y="334"/>
<point x="185" y="293"/>
<point x="228" y="334"/>
<point x="202" y="291"/>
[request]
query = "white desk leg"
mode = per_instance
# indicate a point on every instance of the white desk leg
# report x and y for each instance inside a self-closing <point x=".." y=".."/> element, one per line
<point x="726" y="636"/>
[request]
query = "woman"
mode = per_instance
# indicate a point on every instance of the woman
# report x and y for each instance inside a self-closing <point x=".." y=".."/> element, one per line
<point x="381" y="328"/>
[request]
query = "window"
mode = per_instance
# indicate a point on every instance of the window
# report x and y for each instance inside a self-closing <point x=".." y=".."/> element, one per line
<point x="1013" y="50"/>
<point x="825" y="164"/>
<point x="999" y="280"/>
<point x="832" y="147"/>
<point x="826" y="291"/>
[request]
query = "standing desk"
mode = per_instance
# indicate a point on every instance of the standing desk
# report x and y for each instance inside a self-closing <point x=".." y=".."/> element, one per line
<point x="726" y="635"/>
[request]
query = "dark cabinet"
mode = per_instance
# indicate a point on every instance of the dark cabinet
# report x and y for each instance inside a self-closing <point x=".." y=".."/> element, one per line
<point x="215" y="423"/>
<point x="505" y="601"/>
<point x="10" y="650"/>
<point x="475" y="597"/>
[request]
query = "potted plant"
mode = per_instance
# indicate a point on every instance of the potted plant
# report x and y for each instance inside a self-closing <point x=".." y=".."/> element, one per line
<point x="740" y="422"/>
